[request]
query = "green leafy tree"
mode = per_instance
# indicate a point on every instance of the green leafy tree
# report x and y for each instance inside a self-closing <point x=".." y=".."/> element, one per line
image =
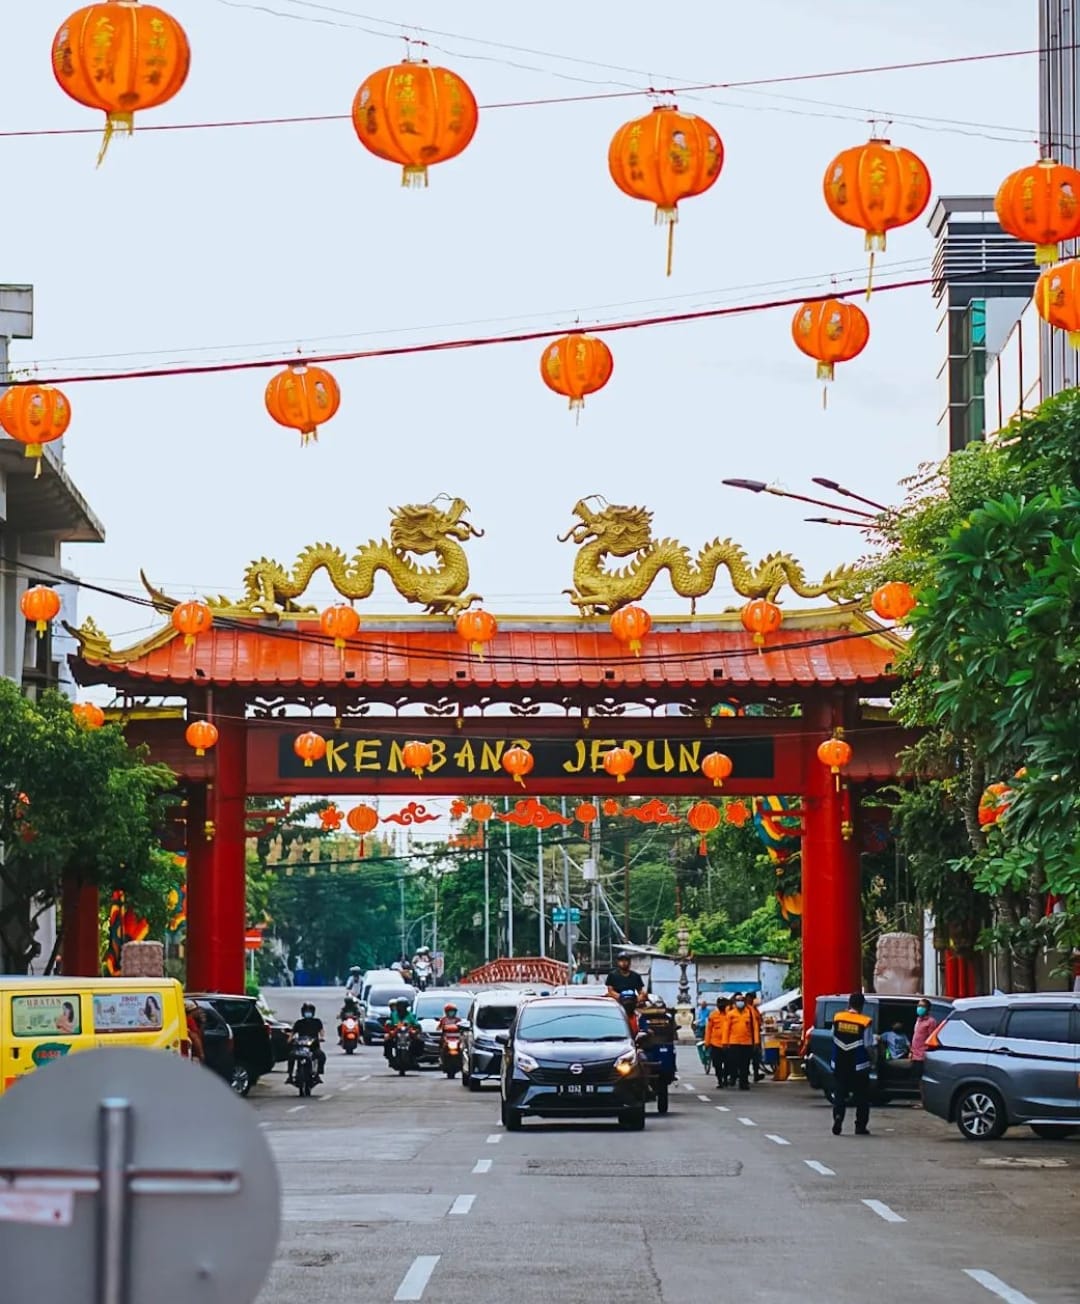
<point x="73" y="802"/>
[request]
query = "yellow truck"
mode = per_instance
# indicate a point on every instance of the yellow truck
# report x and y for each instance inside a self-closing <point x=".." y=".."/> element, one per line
<point x="44" y="1019"/>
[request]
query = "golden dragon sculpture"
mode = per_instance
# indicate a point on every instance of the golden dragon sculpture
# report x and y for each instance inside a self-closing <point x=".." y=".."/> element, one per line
<point x="423" y="529"/>
<point x="613" y="531"/>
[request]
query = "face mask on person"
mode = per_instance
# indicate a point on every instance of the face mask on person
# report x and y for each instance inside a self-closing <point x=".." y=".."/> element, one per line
<point x="921" y="1009"/>
<point x="739" y="1005"/>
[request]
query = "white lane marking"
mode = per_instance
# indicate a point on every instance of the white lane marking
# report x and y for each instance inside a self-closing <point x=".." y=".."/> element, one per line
<point x="779" y="1140"/>
<point x="327" y="1097"/>
<point x="264" y="1124"/>
<point x="747" y="1122"/>
<point x="365" y="1078"/>
<point x="704" y="1098"/>
<point x="345" y="1086"/>
<point x="687" y="1086"/>
<point x="723" y="1109"/>
<point x="482" y="1166"/>
<point x="997" y="1287"/>
<point x="462" y="1204"/>
<point x="819" y="1167"/>
<point x="883" y="1211"/>
<point x="416" y="1279"/>
<point x="495" y="1138"/>
<point x="296" y="1109"/>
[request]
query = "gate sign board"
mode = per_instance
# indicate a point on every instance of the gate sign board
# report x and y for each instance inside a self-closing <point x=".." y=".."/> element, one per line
<point x="375" y="754"/>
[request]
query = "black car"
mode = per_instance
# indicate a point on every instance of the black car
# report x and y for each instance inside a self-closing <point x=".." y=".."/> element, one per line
<point x="217" y="1040"/>
<point x="572" y="1058"/>
<point x="253" y="1051"/>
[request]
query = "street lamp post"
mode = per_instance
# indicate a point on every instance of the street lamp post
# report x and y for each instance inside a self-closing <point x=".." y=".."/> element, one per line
<point x="684" y="1014"/>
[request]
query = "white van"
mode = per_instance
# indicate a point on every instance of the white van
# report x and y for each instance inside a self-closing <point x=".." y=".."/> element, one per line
<point x="378" y="978"/>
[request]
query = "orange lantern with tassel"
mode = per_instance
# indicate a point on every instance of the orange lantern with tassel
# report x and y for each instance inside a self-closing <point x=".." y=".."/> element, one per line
<point x="414" y="115"/>
<point x="121" y="57"/>
<point x="482" y="811"/>
<point x="201" y="735"/>
<point x="703" y="817"/>
<point x="477" y="627"/>
<point x="618" y="763"/>
<point x="1040" y="204"/>
<point x="876" y="187"/>
<point x="830" y="331"/>
<point x="664" y="157"/>
<point x="575" y="366"/>
<point x="417" y="756"/>
<point x="1057" y="298"/>
<point x="836" y="754"/>
<point x="190" y="619"/>
<point x="518" y="761"/>
<point x="339" y="622"/>
<point x="41" y="605"/>
<point x="586" y="815"/>
<point x="35" y="415"/>
<point x="761" y="617"/>
<point x="893" y="600"/>
<point x="88" y="714"/>
<point x="630" y="625"/>
<point x="362" y="820"/>
<point x="716" y="766"/>
<point x="310" y="747"/>
<point x="303" y="398"/>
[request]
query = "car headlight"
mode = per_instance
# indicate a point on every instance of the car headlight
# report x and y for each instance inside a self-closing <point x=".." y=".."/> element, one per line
<point x="625" y="1063"/>
<point x="525" y="1062"/>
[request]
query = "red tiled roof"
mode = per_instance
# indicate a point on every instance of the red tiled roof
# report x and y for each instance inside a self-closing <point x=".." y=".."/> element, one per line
<point x="517" y="657"/>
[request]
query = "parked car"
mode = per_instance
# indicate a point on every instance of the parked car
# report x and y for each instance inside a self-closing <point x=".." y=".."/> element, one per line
<point x="889" y="1078"/>
<point x="280" y="1032"/>
<point x="572" y="1057"/>
<point x="1006" y="1061"/>
<point x="217" y="1041"/>
<point x="490" y="1012"/>
<point x="253" y="1051"/>
<point x="377" y="1010"/>
<point x="428" y="1008"/>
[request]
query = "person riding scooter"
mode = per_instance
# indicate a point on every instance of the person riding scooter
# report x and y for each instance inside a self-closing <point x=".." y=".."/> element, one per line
<point x="355" y="981"/>
<point x="422" y="968"/>
<point x="350" y="1009"/>
<point x="309" y="1026"/>
<point x="449" y="1018"/>
<point x="400" y="1012"/>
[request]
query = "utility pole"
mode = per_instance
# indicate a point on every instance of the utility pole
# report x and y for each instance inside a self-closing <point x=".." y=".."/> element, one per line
<point x="401" y="885"/>
<point x="487" y="896"/>
<point x="566" y="902"/>
<point x="626" y="888"/>
<point x="540" y="892"/>
<point x="509" y="888"/>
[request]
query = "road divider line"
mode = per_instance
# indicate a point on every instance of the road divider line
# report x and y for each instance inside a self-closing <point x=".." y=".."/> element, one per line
<point x="747" y="1122"/>
<point x="327" y="1097"/>
<point x="462" y="1204"/>
<point x="366" y="1078"/>
<point x="482" y="1166"/>
<point x="704" y="1098"/>
<point x="264" y="1124"/>
<point x="723" y="1109"/>
<point x="819" y="1167"/>
<point x="778" y="1140"/>
<point x="416" y="1279"/>
<point x="997" y="1287"/>
<point x="296" y="1109"/>
<point x="883" y="1211"/>
<point x="687" y="1086"/>
<point x="494" y="1138"/>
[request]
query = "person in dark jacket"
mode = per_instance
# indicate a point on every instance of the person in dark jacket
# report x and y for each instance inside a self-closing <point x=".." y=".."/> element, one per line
<point x="852" y="1048"/>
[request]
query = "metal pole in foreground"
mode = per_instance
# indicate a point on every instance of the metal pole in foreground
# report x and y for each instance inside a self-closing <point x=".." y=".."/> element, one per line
<point x="487" y="897"/>
<point x="566" y="903"/>
<point x="509" y="889"/>
<point x="401" y="884"/>
<point x="540" y="893"/>
<point x="114" y="1210"/>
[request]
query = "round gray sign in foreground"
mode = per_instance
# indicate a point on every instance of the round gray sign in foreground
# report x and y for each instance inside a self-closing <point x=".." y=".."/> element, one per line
<point x="204" y="1204"/>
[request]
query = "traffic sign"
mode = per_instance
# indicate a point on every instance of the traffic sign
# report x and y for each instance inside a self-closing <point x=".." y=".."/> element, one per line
<point x="129" y="1175"/>
<point x="558" y="915"/>
<point x="253" y="939"/>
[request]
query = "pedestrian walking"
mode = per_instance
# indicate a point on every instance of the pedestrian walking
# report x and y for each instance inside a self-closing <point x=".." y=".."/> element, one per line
<point x="742" y="1025"/>
<point x="701" y="1019"/>
<point x="852" y="1047"/>
<point x="716" y="1040"/>
<point x="925" y="1023"/>
<point x="757" y="1054"/>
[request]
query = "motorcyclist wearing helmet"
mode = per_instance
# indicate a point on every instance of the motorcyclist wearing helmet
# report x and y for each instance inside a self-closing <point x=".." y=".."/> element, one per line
<point x="623" y="979"/>
<point x="355" y="981"/>
<point x="309" y="1026"/>
<point x="449" y="1017"/>
<point x="400" y="1012"/>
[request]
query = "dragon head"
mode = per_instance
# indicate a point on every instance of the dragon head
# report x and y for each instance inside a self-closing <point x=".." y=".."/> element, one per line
<point x="622" y="530"/>
<point x="420" y="527"/>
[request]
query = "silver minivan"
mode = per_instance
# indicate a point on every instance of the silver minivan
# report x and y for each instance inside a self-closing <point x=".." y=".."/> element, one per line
<point x="1006" y="1061"/>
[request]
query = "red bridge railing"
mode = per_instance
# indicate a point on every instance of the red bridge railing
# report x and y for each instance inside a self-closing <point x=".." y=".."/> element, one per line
<point x="522" y="969"/>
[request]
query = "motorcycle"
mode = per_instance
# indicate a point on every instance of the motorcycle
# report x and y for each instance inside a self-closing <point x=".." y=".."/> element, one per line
<point x="402" y="1052"/>
<point x="450" y="1051"/>
<point x="350" y="1033"/>
<point x="304" y="1071"/>
<point x="656" y="1041"/>
<point x="422" y="974"/>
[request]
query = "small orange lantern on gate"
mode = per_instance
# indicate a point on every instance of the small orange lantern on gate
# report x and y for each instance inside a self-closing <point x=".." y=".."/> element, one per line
<point x="310" y="747"/>
<point x="191" y="618"/>
<point x="518" y="761"/>
<point x="893" y="600"/>
<point x="362" y="820"/>
<point x="417" y="756"/>
<point x="88" y="714"/>
<point x="1040" y="204"/>
<point x="303" y="398"/>
<point x="703" y="817"/>
<point x="760" y="617"/>
<point x="716" y="766"/>
<point x="201" y="735"/>
<point x="477" y="627"/>
<point x="34" y="415"/>
<point x="482" y="811"/>
<point x="1057" y="298"/>
<point x="586" y="815"/>
<point x="630" y="625"/>
<point x="40" y="604"/>
<point x="339" y="622"/>
<point x="575" y="366"/>
<point x="618" y="763"/>
<point x="836" y="754"/>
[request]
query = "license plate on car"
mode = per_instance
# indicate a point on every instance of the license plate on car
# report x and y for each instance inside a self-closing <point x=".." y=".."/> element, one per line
<point x="577" y="1089"/>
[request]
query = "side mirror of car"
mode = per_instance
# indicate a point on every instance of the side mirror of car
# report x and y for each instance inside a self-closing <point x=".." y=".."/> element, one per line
<point x="465" y="1025"/>
<point x="503" y="1038"/>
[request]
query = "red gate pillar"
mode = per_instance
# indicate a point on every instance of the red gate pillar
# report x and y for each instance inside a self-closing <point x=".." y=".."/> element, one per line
<point x="832" y="909"/>
<point x="216" y="906"/>
<point x="80" y="946"/>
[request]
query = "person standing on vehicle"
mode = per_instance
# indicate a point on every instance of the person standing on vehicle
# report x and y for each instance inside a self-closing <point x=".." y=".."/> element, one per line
<point x="716" y="1041"/>
<point x="852" y="1046"/>
<point x="623" y="979"/>
<point x="309" y="1026"/>
<point x="743" y="1029"/>
<point x="925" y="1023"/>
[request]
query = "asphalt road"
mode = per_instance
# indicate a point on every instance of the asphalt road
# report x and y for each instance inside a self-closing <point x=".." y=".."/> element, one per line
<point x="408" y="1189"/>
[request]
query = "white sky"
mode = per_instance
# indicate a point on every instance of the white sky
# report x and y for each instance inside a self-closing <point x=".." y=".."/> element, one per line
<point x="295" y="234"/>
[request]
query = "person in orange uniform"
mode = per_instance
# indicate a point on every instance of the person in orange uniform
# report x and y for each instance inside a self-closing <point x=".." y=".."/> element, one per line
<point x="742" y="1036"/>
<point x="757" y="1054"/>
<point x="716" y="1040"/>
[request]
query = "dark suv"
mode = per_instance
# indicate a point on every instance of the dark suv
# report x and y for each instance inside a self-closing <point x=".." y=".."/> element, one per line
<point x="1004" y="1061"/>
<point x="572" y="1058"/>
<point x="889" y="1078"/>
<point x="253" y="1052"/>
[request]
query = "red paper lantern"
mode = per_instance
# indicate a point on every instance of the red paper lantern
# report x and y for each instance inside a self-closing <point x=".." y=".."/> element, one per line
<point x="40" y="604"/>
<point x="362" y="819"/>
<point x="191" y="618"/>
<point x="893" y="601"/>
<point x="34" y="415"/>
<point x="339" y="622"/>
<point x="703" y="817"/>
<point x="836" y="754"/>
<point x="586" y="814"/>
<point x="1057" y="299"/>
<point x="760" y="617"/>
<point x="1040" y="203"/>
<point x="202" y="735"/>
<point x="417" y="756"/>
<point x="482" y="811"/>
<point x="630" y="625"/>
<point x="716" y="766"/>
<point x="575" y="366"/>
<point x="88" y="714"/>
<point x="302" y="398"/>
<point x="518" y="761"/>
<point x="830" y="331"/>
<point x="618" y="763"/>
<point x="477" y="627"/>
<point x="310" y="747"/>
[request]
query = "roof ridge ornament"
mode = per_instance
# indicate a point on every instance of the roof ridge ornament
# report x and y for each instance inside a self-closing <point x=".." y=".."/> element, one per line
<point x="626" y="532"/>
